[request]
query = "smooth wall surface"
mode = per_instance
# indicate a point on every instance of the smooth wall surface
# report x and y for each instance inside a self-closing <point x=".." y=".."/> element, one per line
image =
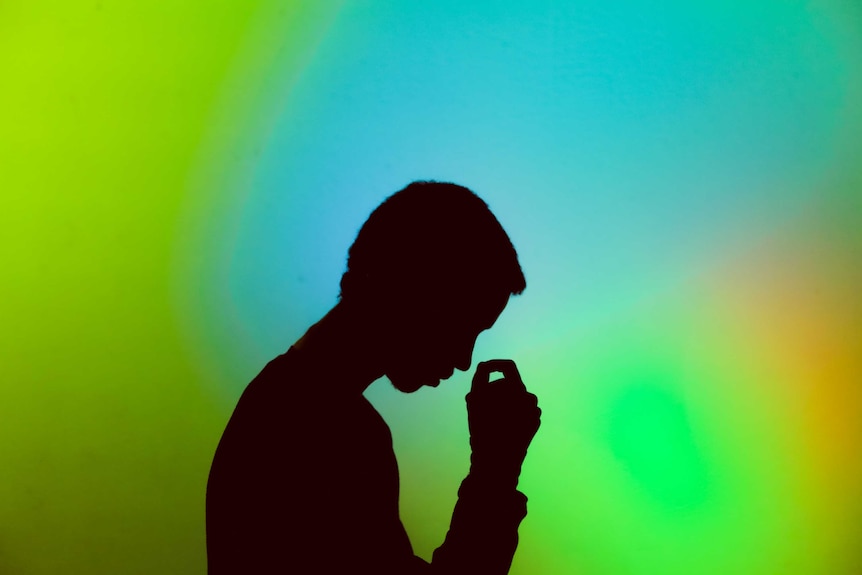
<point x="180" y="182"/>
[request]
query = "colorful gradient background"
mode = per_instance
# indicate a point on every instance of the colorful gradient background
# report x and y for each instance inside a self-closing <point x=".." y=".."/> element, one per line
<point x="683" y="180"/>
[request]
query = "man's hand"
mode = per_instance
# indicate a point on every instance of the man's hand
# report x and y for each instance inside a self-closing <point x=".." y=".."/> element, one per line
<point x="503" y="418"/>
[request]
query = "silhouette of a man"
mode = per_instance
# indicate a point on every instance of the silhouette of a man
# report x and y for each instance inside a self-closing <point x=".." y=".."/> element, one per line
<point x="305" y="479"/>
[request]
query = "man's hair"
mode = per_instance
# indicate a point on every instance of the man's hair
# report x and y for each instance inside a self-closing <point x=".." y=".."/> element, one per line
<point x="428" y="237"/>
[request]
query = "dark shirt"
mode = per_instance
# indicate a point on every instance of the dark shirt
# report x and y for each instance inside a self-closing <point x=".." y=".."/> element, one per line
<point x="305" y="480"/>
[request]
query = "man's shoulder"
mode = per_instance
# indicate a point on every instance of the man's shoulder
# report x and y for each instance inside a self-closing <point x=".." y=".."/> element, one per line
<point x="290" y="391"/>
<point x="281" y="377"/>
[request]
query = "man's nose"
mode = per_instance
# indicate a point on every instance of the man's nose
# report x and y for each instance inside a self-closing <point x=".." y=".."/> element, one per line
<point x="463" y="365"/>
<point x="465" y="357"/>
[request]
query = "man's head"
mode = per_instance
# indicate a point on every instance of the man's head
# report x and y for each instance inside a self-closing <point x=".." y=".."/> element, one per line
<point x="431" y="268"/>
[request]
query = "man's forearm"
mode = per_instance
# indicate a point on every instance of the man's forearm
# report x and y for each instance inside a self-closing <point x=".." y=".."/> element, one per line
<point x="483" y="533"/>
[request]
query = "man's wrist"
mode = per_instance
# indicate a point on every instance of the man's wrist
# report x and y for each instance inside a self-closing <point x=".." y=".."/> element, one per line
<point x="495" y="475"/>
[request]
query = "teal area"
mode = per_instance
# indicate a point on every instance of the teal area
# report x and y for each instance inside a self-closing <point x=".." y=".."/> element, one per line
<point x="624" y="147"/>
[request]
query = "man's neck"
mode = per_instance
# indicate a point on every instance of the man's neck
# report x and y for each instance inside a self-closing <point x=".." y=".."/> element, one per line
<point x="344" y="349"/>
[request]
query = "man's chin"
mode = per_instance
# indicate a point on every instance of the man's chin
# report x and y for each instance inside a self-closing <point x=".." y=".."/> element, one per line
<point x="412" y="384"/>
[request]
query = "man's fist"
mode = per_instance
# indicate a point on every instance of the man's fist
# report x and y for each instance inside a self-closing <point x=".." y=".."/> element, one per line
<point x="503" y="418"/>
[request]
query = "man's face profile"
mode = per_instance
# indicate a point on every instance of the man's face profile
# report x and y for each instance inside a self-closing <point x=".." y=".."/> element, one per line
<point x="431" y="340"/>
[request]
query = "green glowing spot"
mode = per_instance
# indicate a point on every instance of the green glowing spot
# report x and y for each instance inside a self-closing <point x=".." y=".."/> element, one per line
<point x="650" y="433"/>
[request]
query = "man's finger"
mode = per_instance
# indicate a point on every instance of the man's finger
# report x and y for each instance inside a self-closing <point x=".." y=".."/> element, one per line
<point x="482" y="377"/>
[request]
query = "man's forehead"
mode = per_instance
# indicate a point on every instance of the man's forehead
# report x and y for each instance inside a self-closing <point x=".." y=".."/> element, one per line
<point x="487" y="302"/>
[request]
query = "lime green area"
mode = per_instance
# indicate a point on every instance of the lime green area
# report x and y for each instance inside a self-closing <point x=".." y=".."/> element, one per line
<point x="107" y="429"/>
<point x="650" y="434"/>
